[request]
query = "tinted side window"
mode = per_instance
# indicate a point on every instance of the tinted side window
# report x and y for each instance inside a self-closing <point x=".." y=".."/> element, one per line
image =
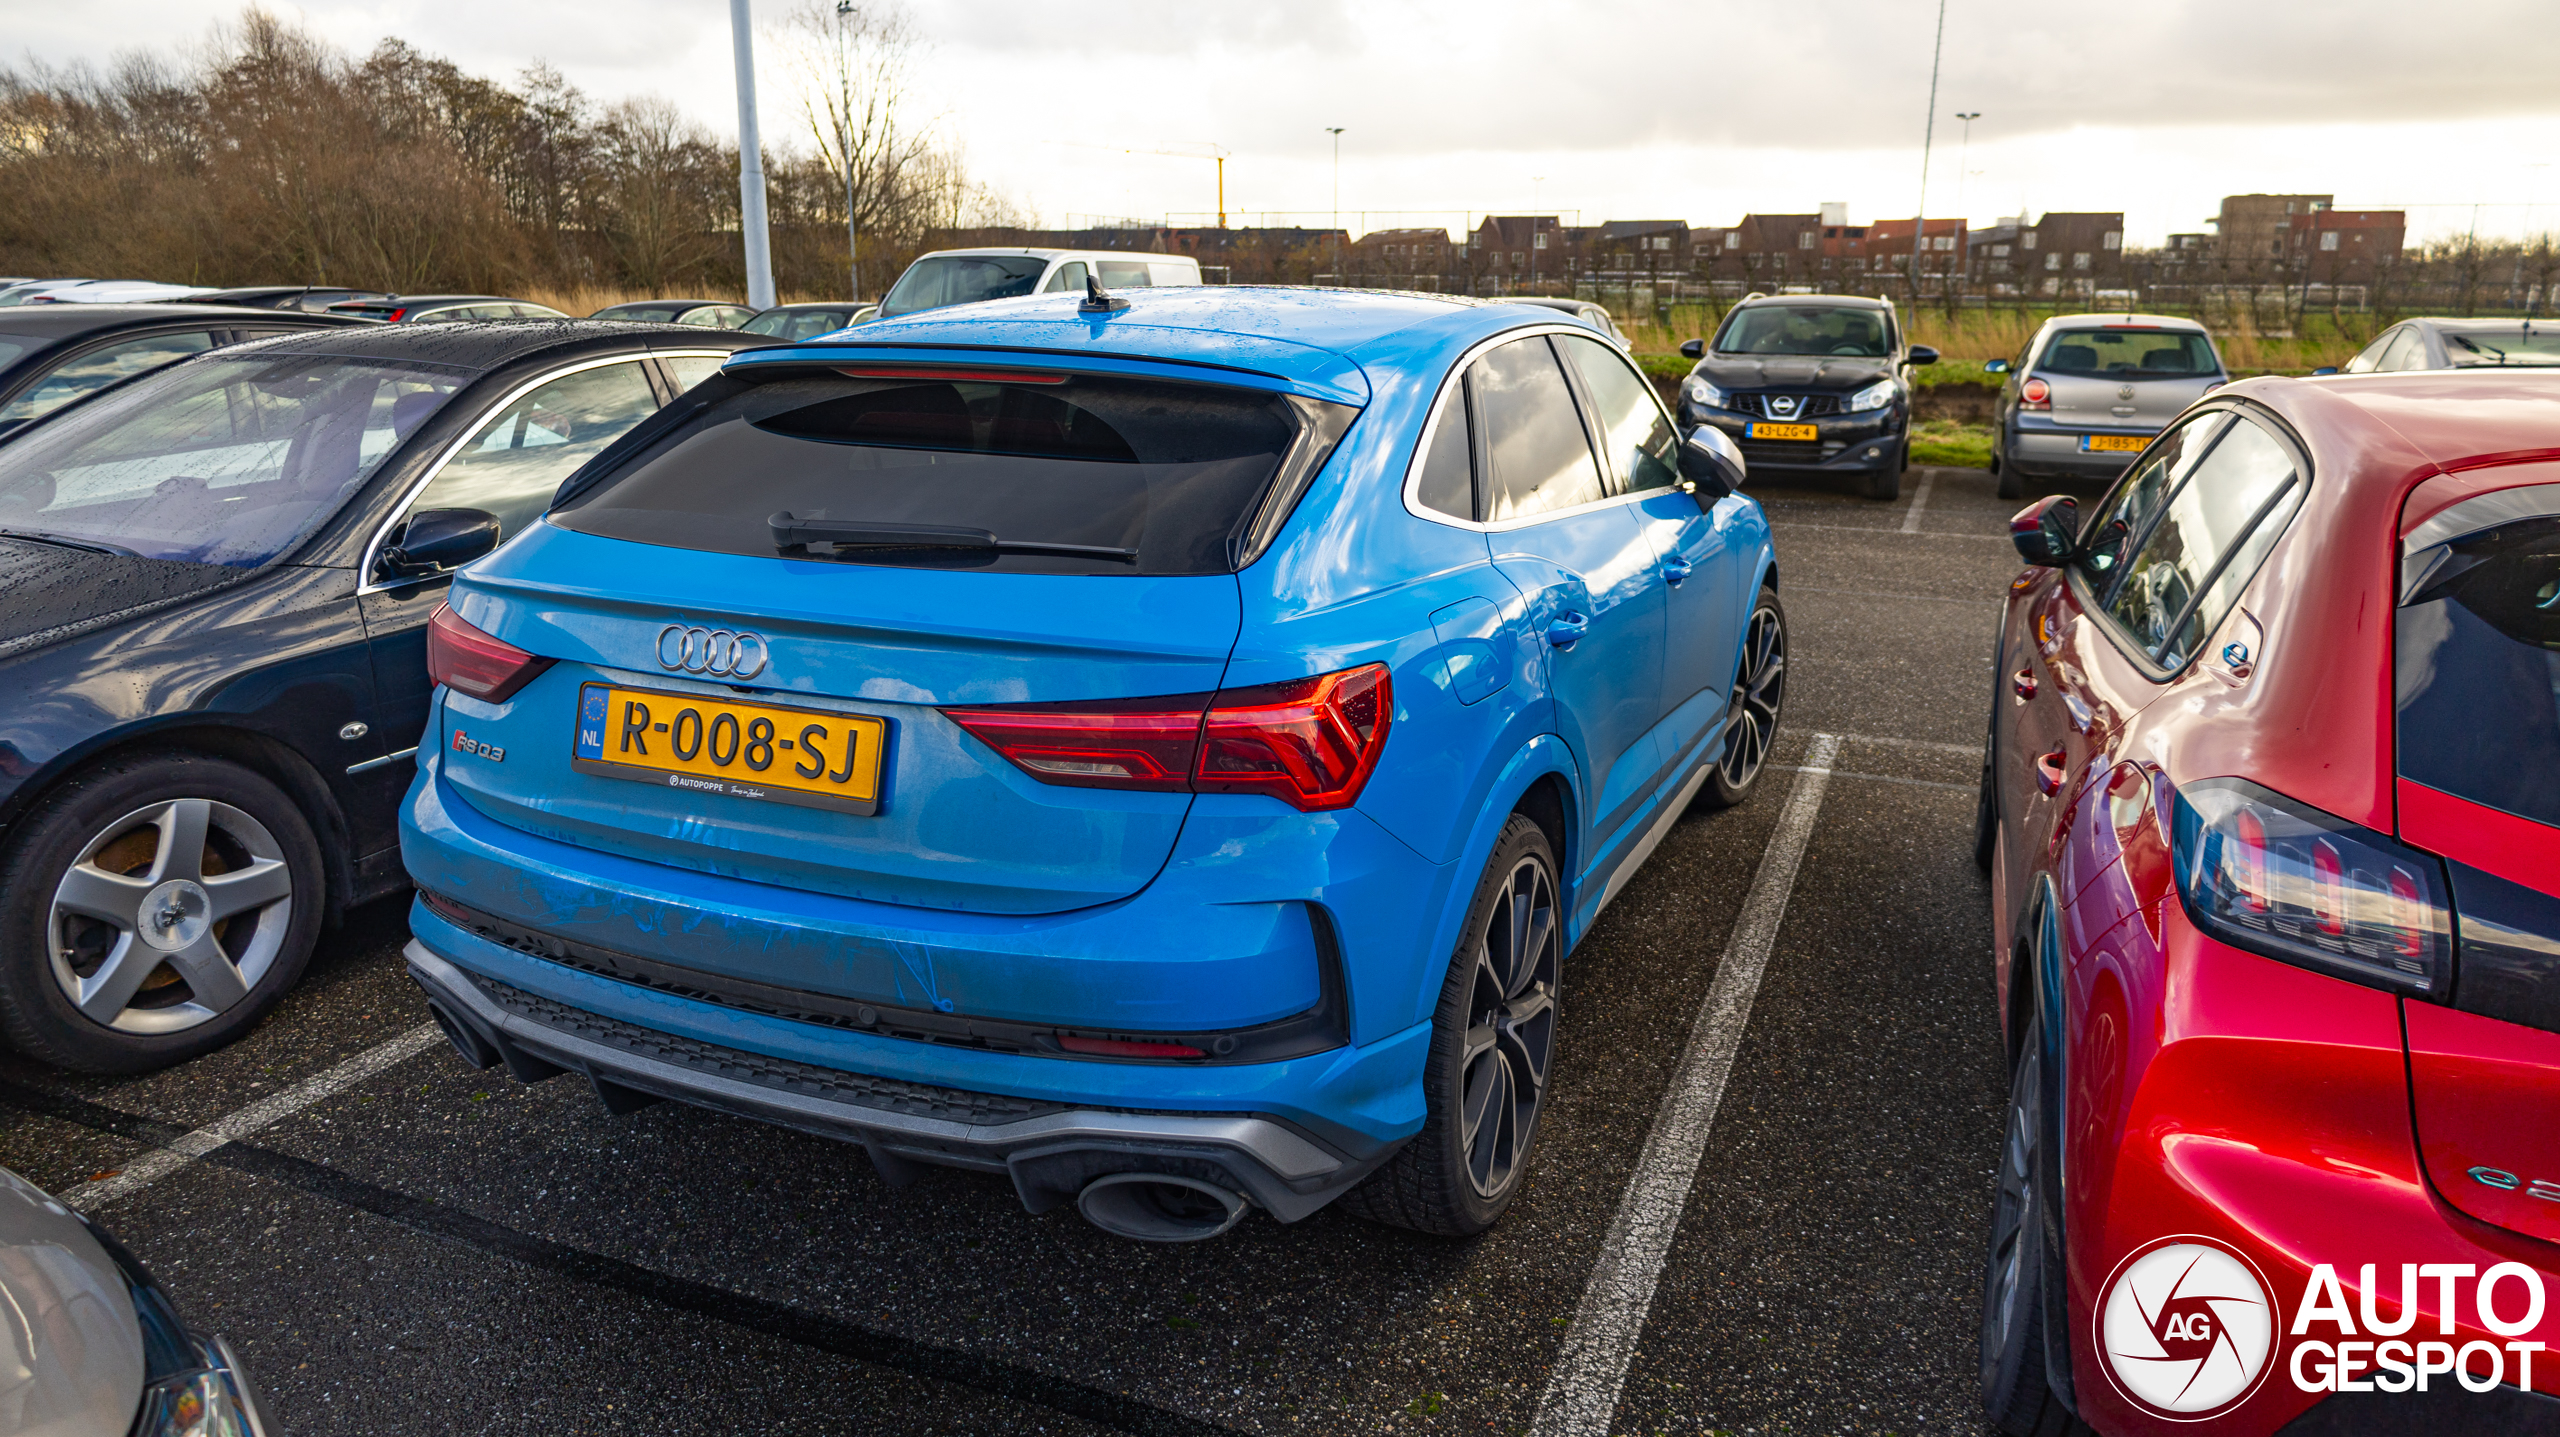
<point x="1635" y="434"/>
<point x="2479" y="671"/>
<point x="2369" y="357"/>
<point x="517" y="459"/>
<point x="2206" y="543"/>
<point x="1447" y="483"/>
<point x="1540" y="457"/>
<point x="1069" y="276"/>
<point x="689" y="370"/>
<point x="1124" y="273"/>
<point x="2405" y="351"/>
<point x="2127" y="511"/>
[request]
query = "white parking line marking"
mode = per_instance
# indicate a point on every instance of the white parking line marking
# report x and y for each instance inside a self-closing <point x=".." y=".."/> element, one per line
<point x="1582" y="1388"/>
<point x="1880" y="529"/>
<point x="1919" y="501"/>
<point x="1883" y="778"/>
<point x="151" y="1167"/>
<point x="1967" y="750"/>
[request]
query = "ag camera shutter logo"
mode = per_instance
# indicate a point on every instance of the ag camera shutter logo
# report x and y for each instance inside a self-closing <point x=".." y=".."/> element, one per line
<point x="2186" y="1328"/>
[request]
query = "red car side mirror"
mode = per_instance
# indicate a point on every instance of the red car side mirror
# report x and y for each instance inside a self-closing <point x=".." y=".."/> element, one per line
<point x="2046" y="530"/>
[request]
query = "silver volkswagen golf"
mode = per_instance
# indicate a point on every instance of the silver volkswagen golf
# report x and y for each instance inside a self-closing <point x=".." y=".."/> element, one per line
<point x="2090" y="390"/>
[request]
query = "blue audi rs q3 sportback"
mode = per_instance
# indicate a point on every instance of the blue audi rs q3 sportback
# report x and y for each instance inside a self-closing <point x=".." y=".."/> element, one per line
<point x="1160" y="749"/>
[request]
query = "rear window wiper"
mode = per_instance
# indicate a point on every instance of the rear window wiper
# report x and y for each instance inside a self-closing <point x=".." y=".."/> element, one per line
<point x="790" y="533"/>
<point x="41" y="536"/>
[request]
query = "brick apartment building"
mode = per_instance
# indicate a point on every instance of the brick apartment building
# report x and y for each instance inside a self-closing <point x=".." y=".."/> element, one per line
<point x="2065" y="252"/>
<point x="2258" y="229"/>
<point x="2334" y="246"/>
<point x="1943" y="245"/>
<point x="1513" y="248"/>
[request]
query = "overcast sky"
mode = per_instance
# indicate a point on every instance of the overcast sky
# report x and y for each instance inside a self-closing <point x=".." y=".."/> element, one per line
<point x="1629" y="109"/>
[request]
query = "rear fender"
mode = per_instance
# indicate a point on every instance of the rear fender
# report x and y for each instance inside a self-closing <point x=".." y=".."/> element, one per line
<point x="1541" y="758"/>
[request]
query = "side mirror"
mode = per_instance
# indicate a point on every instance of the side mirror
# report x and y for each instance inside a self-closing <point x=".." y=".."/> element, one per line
<point x="1693" y="349"/>
<point x="2045" y="530"/>
<point x="2324" y="369"/>
<point x="1995" y="366"/>
<point x="1710" y="464"/>
<point x="435" y="540"/>
<point x="1921" y="354"/>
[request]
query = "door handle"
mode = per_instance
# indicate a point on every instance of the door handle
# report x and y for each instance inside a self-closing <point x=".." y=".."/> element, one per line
<point x="2049" y="772"/>
<point x="1568" y="629"/>
<point x="1675" y="569"/>
<point x="2023" y="684"/>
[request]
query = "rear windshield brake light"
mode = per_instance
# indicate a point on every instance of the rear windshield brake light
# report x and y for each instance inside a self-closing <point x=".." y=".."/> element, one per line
<point x="1311" y="743"/>
<point x="983" y="376"/>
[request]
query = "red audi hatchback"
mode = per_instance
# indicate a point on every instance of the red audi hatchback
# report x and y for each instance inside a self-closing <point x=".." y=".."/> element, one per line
<point x="2271" y="805"/>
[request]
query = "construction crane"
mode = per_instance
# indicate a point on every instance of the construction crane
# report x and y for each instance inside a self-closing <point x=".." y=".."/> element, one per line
<point x="1193" y="150"/>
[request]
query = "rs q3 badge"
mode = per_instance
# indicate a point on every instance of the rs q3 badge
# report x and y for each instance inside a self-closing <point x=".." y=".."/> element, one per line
<point x="465" y="743"/>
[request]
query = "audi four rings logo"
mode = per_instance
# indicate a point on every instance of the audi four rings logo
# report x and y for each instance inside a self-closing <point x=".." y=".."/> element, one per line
<point x="721" y="653"/>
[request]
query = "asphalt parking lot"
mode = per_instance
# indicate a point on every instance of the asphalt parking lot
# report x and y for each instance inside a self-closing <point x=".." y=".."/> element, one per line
<point x="425" y="1248"/>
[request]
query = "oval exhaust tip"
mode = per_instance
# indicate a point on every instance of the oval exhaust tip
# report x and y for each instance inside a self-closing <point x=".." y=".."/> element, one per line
<point x="1159" y="1207"/>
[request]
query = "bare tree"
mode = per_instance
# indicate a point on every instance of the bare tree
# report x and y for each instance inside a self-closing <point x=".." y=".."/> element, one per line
<point x="665" y="169"/>
<point x="852" y="74"/>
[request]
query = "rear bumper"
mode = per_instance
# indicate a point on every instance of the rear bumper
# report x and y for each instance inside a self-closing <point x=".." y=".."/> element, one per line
<point x="2267" y="1107"/>
<point x="2054" y="455"/>
<point x="1050" y="1149"/>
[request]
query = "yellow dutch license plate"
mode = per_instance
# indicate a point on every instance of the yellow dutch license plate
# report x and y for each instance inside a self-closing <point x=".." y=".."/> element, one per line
<point x="1763" y="430"/>
<point x="2113" y="443"/>
<point x="704" y="745"/>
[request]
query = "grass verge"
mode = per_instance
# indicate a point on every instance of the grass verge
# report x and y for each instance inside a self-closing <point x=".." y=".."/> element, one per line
<point x="1952" y="444"/>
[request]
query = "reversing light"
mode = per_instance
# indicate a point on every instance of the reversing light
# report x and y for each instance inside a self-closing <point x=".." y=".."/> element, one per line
<point x="2286" y="881"/>
<point x="1311" y="743"/>
<point x="2035" y="394"/>
<point x="468" y="661"/>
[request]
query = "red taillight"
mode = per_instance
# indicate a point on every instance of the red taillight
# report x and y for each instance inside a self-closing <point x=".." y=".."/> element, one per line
<point x="1126" y="1048"/>
<point x="2035" y="394"/>
<point x="2249" y="861"/>
<point x="1132" y="743"/>
<point x="470" y="662"/>
<point x="1311" y="743"/>
<point x="2328" y="887"/>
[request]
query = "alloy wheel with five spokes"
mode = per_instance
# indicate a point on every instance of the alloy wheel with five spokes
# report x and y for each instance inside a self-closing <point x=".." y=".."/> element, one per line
<point x="1510" y="1035"/>
<point x="169" y="916"/>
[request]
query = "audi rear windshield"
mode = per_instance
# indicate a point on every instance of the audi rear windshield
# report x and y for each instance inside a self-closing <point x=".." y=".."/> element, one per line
<point x="1010" y="471"/>
<point x="2130" y="353"/>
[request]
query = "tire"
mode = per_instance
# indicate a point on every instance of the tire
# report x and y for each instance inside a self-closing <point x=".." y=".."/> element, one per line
<point x="1884" y="483"/>
<point x="2011" y="485"/>
<point x="2016" y="1394"/>
<point x="121" y="953"/>
<point x="1752" y="714"/>
<point x="1454" y="1179"/>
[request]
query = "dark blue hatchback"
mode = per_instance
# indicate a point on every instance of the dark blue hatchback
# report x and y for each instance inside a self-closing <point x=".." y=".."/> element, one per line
<point x="1160" y="750"/>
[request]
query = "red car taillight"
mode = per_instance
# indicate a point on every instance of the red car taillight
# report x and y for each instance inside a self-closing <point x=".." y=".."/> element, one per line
<point x="2264" y="873"/>
<point x="1311" y="743"/>
<point x="468" y="661"/>
<point x="2035" y="394"/>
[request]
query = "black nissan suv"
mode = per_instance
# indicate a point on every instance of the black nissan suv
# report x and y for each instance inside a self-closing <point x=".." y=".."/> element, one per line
<point x="1810" y="384"/>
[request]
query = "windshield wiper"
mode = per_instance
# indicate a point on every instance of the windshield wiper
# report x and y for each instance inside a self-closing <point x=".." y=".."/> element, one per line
<point x="791" y="533"/>
<point x="40" y="536"/>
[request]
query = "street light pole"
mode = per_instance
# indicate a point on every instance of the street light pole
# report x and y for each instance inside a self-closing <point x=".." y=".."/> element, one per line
<point x="751" y="223"/>
<point x="844" y="146"/>
<point x="1964" y="147"/>
<point x="1919" y="224"/>
<point x="1336" y="132"/>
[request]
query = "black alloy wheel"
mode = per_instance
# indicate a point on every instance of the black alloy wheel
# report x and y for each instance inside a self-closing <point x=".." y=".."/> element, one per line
<point x="1759" y="698"/>
<point x="2017" y="1395"/>
<point x="1492" y="1053"/>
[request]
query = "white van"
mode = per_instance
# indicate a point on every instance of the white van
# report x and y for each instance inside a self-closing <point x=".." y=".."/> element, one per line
<point x="965" y="276"/>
